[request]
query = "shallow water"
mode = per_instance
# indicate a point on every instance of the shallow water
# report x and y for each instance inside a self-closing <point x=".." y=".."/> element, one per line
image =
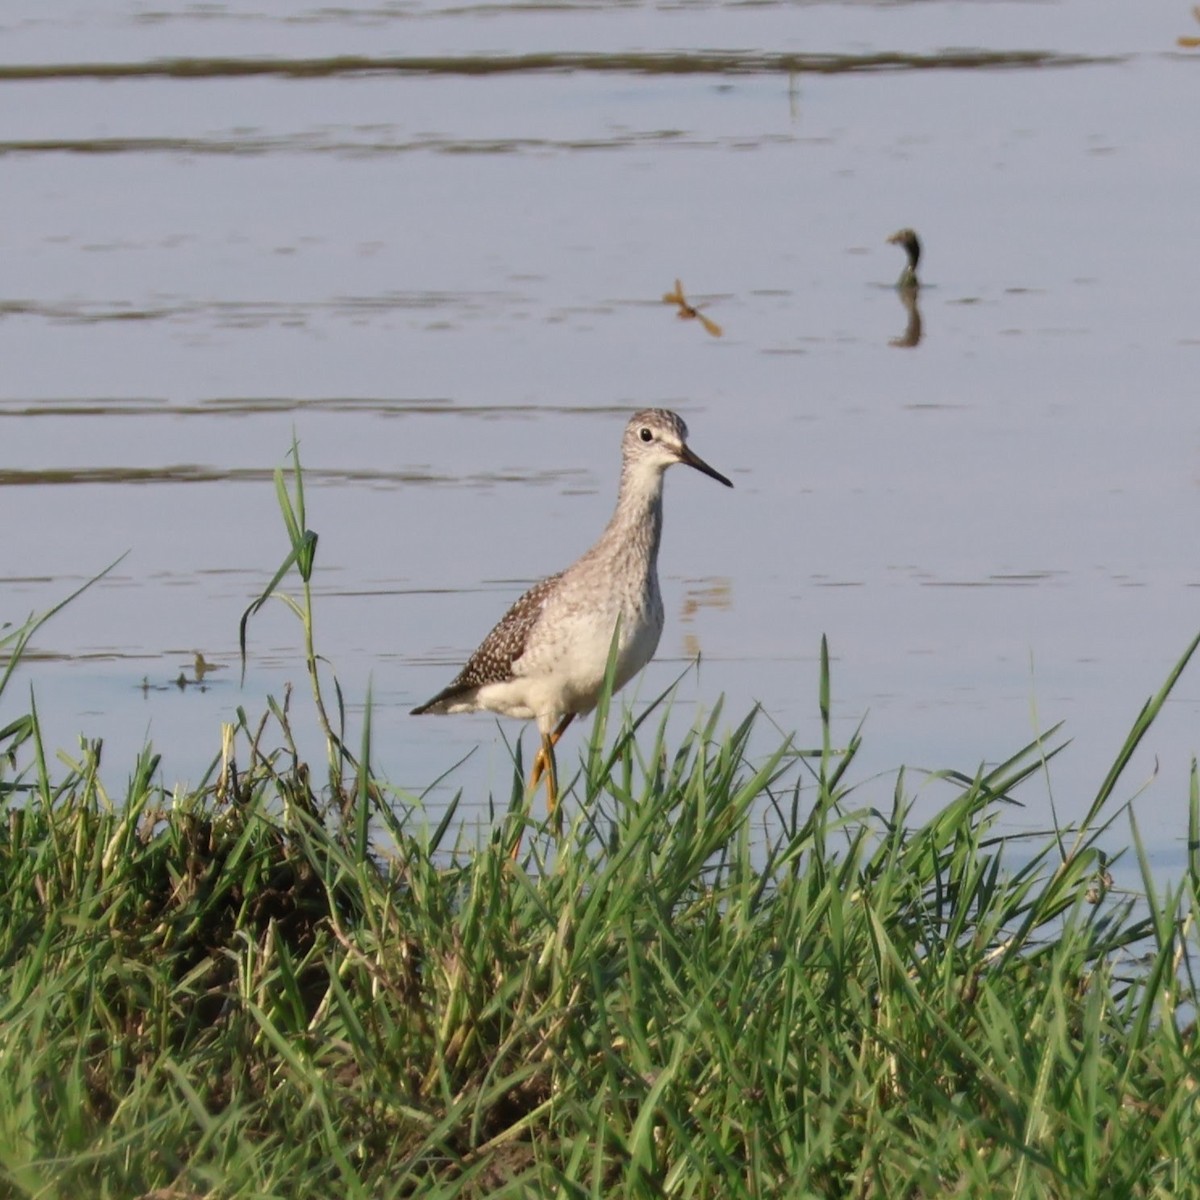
<point x="437" y="259"/>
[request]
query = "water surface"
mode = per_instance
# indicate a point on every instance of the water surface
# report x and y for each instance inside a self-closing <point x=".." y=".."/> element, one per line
<point x="430" y="242"/>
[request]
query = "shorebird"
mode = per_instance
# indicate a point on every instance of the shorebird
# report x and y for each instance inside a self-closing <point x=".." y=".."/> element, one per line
<point x="546" y="659"/>
<point x="912" y="247"/>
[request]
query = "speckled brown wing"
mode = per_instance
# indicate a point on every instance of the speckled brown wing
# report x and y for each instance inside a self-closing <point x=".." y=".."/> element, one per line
<point x="493" y="661"/>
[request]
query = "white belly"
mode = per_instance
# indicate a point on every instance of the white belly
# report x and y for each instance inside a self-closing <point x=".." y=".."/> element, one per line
<point x="562" y="671"/>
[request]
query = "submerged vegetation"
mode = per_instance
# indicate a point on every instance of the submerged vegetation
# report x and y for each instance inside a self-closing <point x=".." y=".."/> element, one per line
<point x="725" y="979"/>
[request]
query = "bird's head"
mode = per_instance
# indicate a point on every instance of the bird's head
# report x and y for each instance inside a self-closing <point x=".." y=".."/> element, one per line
<point x="656" y="437"/>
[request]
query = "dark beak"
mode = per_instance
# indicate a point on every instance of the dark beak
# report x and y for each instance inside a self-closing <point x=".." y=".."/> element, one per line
<point x="694" y="460"/>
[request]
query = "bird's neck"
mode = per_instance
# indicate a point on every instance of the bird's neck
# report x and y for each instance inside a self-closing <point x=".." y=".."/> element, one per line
<point x="635" y="530"/>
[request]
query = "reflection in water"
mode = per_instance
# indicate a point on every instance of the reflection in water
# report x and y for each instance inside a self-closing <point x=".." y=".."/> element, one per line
<point x="689" y="312"/>
<point x="201" y="666"/>
<point x="713" y="591"/>
<point x="912" y="330"/>
<point x="908" y="285"/>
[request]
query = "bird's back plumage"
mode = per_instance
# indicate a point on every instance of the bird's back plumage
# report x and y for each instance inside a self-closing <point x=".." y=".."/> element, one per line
<point x="494" y="660"/>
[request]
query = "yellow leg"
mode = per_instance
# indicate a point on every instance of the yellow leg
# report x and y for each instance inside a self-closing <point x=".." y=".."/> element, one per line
<point x="544" y="763"/>
<point x="551" y="775"/>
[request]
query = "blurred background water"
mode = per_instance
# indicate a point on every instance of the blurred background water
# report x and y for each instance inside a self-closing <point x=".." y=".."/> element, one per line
<point x="430" y="241"/>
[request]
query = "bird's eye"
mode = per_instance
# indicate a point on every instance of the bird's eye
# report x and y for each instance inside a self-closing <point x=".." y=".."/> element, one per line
<point x="646" y="435"/>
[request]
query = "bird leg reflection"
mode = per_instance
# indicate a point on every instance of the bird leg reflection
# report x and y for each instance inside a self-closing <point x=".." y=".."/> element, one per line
<point x="544" y="764"/>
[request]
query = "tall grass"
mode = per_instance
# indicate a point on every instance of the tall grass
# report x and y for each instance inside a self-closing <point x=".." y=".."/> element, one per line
<point x="725" y="978"/>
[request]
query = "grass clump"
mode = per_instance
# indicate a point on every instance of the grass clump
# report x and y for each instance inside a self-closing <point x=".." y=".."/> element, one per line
<point x="724" y="979"/>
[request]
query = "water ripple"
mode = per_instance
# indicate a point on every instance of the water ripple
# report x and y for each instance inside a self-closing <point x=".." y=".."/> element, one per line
<point x="370" y="143"/>
<point x="683" y="62"/>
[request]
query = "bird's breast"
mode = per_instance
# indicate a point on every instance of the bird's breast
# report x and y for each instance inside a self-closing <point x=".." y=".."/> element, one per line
<point x="575" y="636"/>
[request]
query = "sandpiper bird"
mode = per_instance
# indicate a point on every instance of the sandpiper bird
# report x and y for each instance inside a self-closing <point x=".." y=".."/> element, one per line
<point x="912" y="247"/>
<point x="546" y="659"/>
